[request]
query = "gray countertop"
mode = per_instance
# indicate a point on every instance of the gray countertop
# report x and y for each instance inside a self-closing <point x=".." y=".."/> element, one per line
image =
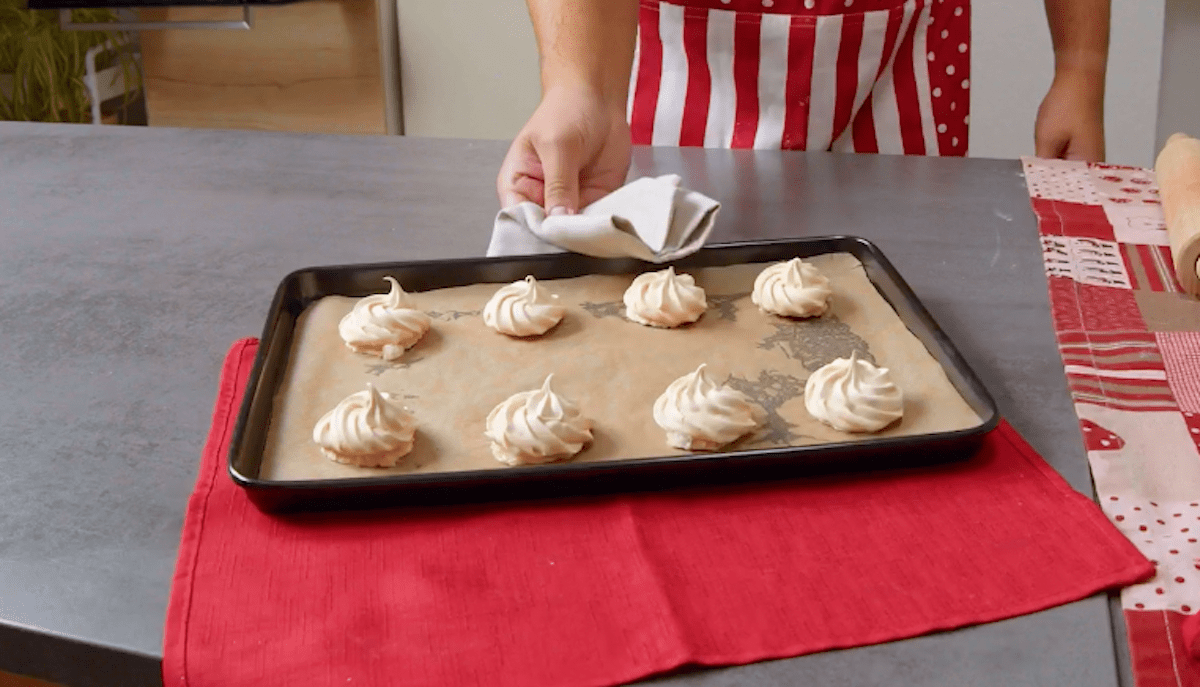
<point x="131" y="258"/>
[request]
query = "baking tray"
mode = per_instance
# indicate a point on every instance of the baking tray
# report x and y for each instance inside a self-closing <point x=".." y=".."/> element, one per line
<point x="303" y="287"/>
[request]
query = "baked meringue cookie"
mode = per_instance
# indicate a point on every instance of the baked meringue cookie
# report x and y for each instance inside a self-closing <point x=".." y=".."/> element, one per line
<point x="793" y="289"/>
<point x="699" y="415"/>
<point x="664" y="299"/>
<point x="852" y="395"/>
<point x="370" y="429"/>
<point x="523" y="308"/>
<point x="537" y="427"/>
<point x="384" y="324"/>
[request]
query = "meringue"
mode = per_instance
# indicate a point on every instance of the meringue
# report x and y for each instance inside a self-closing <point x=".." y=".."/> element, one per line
<point x="368" y="428"/>
<point x="699" y="415"/>
<point x="664" y="299"/>
<point x="852" y="395"/>
<point x="793" y="289"/>
<point x="537" y="427"/>
<point x="522" y="308"/>
<point x="384" y="324"/>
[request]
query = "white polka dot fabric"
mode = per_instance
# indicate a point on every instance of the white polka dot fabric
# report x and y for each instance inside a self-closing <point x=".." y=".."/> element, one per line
<point x="1130" y="199"/>
<point x="1125" y="185"/>
<point x="1061" y="180"/>
<point x="1167" y="532"/>
<point x="1159" y="509"/>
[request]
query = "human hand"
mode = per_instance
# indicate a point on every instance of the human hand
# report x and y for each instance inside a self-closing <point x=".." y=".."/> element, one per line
<point x="1070" y="120"/>
<point x="574" y="149"/>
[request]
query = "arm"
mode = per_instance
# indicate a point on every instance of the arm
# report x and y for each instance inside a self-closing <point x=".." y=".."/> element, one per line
<point x="575" y="148"/>
<point x="586" y="43"/>
<point x="1070" y="121"/>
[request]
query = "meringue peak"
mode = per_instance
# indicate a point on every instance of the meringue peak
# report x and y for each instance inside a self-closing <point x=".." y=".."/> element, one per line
<point x="699" y="414"/>
<point x="384" y="324"/>
<point x="369" y="428"/>
<point x="537" y="426"/>
<point x="792" y="289"/>
<point x="664" y="299"/>
<point x="853" y="395"/>
<point x="396" y="296"/>
<point x="523" y="308"/>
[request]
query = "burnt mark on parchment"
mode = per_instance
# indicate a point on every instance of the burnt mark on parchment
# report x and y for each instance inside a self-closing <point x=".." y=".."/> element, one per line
<point x="604" y="308"/>
<point x="453" y="314"/>
<point x="772" y="390"/>
<point x="815" y="342"/>
<point x="379" y="367"/>
<point x="724" y="306"/>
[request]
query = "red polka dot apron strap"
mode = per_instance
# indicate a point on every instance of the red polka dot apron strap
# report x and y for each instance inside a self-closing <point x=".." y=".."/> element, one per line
<point x="888" y="76"/>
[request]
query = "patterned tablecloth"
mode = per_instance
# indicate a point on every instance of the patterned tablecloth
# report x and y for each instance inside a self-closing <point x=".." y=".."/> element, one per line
<point x="1130" y="344"/>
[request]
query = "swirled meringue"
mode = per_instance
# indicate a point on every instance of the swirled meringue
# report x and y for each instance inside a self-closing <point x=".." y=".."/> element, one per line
<point x="664" y="299"/>
<point x="384" y="324"/>
<point x="537" y="427"/>
<point x="852" y="395"/>
<point x="793" y="289"/>
<point x="523" y="308"/>
<point x="369" y="428"/>
<point x="699" y="415"/>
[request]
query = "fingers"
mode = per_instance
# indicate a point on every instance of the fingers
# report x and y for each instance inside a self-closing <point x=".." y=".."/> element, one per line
<point x="591" y="194"/>
<point x="526" y="189"/>
<point x="1087" y="148"/>
<point x="1081" y="155"/>
<point x="1070" y="122"/>
<point x="511" y="198"/>
<point x="546" y="173"/>
<point x="567" y="150"/>
<point x="1050" y="146"/>
<point x="561" y="164"/>
<point x="509" y="176"/>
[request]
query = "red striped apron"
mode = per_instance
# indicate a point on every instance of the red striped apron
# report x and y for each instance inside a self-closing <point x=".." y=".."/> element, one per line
<point x="877" y="76"/>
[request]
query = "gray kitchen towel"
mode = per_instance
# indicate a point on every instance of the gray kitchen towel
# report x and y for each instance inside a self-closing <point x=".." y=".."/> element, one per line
<point x="651" y="219"/>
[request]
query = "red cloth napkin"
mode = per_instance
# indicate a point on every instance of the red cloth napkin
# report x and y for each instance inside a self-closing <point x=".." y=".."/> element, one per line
<point x="609" y="589"/>
<point x="1191" y="635"/>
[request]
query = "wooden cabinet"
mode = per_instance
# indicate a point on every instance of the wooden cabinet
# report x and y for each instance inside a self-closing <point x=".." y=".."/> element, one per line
<point x="467" y="68"/>
<point x="312" y="66"/>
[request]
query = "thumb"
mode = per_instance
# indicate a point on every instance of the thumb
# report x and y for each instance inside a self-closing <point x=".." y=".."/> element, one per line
<point x="561" y="167"/>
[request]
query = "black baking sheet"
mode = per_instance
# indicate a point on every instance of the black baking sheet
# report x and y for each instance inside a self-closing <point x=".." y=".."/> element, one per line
<point x="303" y="287"/>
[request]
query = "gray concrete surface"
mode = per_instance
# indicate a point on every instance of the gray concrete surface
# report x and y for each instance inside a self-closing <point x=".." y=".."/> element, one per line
<point x="131" y="258"/>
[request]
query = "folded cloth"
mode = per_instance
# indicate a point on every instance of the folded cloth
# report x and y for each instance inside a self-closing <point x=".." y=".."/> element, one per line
<point x="651" y="219"/>
<point x="604" y="590"/>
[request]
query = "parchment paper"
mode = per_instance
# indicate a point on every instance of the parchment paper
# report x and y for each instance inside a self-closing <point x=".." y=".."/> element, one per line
<point x="612" y="368"/>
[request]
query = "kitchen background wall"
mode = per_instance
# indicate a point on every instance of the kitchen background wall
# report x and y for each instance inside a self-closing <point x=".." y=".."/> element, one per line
<point x="1179" y="94"/>
<point x="469" y="69"/>
<point x="1012" y="64"/>
<point x="447" y="92"/>
<point x="479" y="77"/>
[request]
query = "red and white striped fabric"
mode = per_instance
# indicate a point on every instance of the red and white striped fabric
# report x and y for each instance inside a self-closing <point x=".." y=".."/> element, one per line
<point x="879" y="76"/>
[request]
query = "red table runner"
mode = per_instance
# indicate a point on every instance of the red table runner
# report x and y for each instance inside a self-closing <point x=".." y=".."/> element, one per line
<point x="603" y="590"/>
<point x="1130" y="342"/>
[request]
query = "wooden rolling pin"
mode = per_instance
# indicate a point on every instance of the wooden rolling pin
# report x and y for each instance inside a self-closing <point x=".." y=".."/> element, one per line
<point x="1178" y="169"/>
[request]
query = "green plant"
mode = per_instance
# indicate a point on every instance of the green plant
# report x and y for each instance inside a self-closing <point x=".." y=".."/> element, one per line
<point x="47" y="63"/>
